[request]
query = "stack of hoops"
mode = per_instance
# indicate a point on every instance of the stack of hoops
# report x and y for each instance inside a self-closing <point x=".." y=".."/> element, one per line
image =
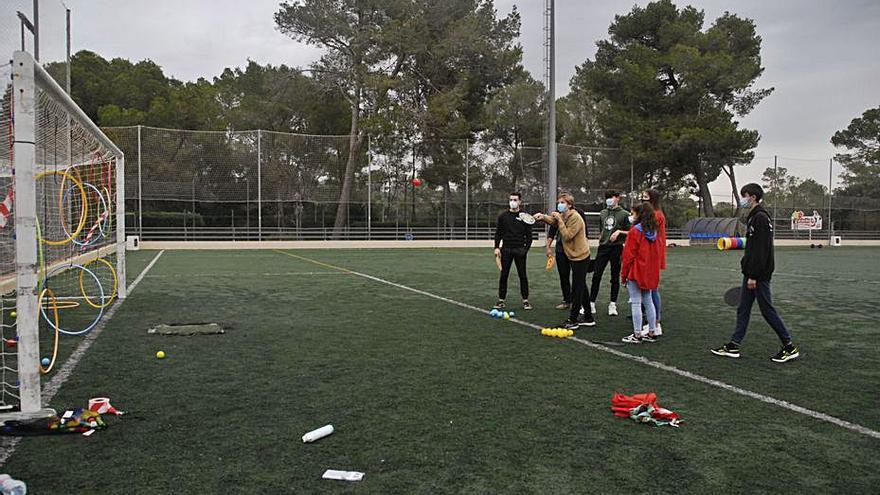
<point x="74" y="222"/>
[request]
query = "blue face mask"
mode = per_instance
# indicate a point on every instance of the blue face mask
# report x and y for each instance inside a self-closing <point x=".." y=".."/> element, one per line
<point x="745" y="202"/>
<point x="561" y="207"/>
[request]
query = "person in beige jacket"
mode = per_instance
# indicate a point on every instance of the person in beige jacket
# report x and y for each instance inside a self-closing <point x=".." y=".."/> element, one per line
<point x="572" y="230"/>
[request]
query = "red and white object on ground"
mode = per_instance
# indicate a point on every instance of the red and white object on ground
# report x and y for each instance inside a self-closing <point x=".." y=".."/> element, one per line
<point x="101" y="405"/>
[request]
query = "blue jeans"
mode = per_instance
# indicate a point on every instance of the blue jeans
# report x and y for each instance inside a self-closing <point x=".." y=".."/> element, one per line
<point x="637" y="298"/>
<point x="765" y="303"/>
<point x="655" y="296"/>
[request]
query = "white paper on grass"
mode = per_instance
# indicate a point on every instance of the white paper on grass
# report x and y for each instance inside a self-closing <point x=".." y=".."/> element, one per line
<point x="332" y="474"/>
<point x="317" y="434"/>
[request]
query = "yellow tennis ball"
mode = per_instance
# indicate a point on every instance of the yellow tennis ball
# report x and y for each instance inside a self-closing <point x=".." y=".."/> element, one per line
<point x="160" y="354"/>
<point x="13" y="314"/>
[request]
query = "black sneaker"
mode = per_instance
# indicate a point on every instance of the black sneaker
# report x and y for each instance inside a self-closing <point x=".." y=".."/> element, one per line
<point x="527" y="305"/>
<point x="730" y="350"/>
<point x="586" y="320"/>
<point x="499" y="304"/>
<point x="787" y="353"/>
<point x="570" y="325"/>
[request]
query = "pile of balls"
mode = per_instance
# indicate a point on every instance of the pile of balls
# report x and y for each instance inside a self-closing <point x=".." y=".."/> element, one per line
<point x="501" y="314"/>
<point x="557" y="332"/>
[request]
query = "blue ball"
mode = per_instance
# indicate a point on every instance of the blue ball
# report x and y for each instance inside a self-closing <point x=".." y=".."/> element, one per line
<point x="45" y="361"/>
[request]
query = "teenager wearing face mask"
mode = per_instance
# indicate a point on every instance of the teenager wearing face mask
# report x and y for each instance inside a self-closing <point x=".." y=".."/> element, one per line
<point x="572" y="230"/>
<point x="641" y="270"/>
<point x="757" y="268"/>
<point x="513" y="238"/>
<point x="614" y="224"/>
<point x="562" y="264"/>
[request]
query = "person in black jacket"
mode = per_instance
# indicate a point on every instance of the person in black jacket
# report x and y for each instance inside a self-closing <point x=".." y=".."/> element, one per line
<point x="513" y="238"/>
<point x="757" y="268"/>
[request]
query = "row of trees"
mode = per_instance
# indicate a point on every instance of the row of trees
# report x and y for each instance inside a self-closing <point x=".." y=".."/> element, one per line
<point x="664" y="88"/>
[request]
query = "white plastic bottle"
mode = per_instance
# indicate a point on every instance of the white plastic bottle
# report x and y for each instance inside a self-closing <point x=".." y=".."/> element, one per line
<point x="10" y="486"/>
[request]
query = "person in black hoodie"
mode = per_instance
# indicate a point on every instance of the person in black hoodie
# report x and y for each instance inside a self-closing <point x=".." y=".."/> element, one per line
<point x="513" y="238"/>
<point x="757" y="268"/>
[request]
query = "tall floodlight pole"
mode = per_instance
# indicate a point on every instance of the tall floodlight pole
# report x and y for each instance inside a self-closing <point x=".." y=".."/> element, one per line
<point x="551" y="104"/>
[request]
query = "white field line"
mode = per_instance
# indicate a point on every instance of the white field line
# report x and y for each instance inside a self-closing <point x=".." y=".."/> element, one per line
<point x="638" y="359"/>
<point x="54" y="385"/>
<point x="239" y="275"/>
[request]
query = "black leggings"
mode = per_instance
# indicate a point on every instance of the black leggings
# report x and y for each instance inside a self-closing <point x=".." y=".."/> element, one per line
<point x="508" y="257"/>
<point x="580" y="294"/>
<point x="607" y="254"/>
<point x="563" y="266"/>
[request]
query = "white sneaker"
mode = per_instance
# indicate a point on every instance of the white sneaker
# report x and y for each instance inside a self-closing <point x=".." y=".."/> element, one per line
<point x="658" y="331"/>
<point x="612" y="309"/>
<point x="644" y="329"/>
<point x="593" y="307"/>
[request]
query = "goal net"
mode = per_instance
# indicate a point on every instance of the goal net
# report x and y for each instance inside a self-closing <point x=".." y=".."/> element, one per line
<point x="61" y="228"/>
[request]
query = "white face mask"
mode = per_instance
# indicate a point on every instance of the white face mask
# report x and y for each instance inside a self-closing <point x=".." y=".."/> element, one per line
<point x="609" y="202"/>
<point x="632" y="219"/>
<point x="745" y="202"/>
<point x="514" y="204"/>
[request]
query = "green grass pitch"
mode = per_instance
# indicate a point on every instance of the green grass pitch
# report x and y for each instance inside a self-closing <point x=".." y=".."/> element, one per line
<point x="430" y="397"/>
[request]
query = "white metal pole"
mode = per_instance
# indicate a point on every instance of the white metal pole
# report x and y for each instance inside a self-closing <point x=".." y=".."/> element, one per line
<point x="259" y="186"/>
<point x="551" y="111"/>
<point x="37" y="30"/>
<point x="369" y="187"/>
<point x="24" y="152"/>
<point x="120" y="227"/>
<point x="830" y="183"/>
<point x="140" y="190"/>
<point x="467" y="186"/>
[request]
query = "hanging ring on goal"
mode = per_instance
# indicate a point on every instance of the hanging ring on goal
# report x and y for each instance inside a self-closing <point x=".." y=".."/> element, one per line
<point x="65" y="176"/>
<point x="98" y="225"/>
<point x="94" y="322"/>
<point x="54" y="303"/>
<point x="82" y="288"/>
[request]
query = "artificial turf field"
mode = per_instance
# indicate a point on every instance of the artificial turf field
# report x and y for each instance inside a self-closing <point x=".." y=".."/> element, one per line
<point x="432" y="397"/>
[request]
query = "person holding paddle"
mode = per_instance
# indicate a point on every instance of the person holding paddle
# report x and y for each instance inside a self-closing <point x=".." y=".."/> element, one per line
<point x="573" y="232"/>
<point x="513" y="238"/>
<point x="562" y="264"/>
<point x="757" y="268"/>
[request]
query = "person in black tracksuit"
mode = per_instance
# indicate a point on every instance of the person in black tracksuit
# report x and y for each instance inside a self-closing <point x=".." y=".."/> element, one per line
<point x="563" y="266"/>
<point x="757" y="268"/>
<point x="513" y="238"/>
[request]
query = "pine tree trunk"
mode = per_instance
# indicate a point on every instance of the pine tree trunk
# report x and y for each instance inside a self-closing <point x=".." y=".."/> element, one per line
<point x="354" y="144"/>
<point x="705" y="194"/>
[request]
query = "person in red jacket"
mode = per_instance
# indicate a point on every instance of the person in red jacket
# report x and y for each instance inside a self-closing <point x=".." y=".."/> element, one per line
<point x="653" y="196"/>
<point x="640" y="271"/>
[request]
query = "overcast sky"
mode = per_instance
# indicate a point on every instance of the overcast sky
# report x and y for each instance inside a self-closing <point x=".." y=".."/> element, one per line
<point x="821" y="56"/>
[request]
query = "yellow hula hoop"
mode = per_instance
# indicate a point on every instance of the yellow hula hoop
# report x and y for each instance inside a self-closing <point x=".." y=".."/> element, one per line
<point x="112" y="291"/>
<point x="54" y="303"/>
<point x="65" y="305"/>
<point x="109" y="208"/>
<point x="85" y="206"/>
